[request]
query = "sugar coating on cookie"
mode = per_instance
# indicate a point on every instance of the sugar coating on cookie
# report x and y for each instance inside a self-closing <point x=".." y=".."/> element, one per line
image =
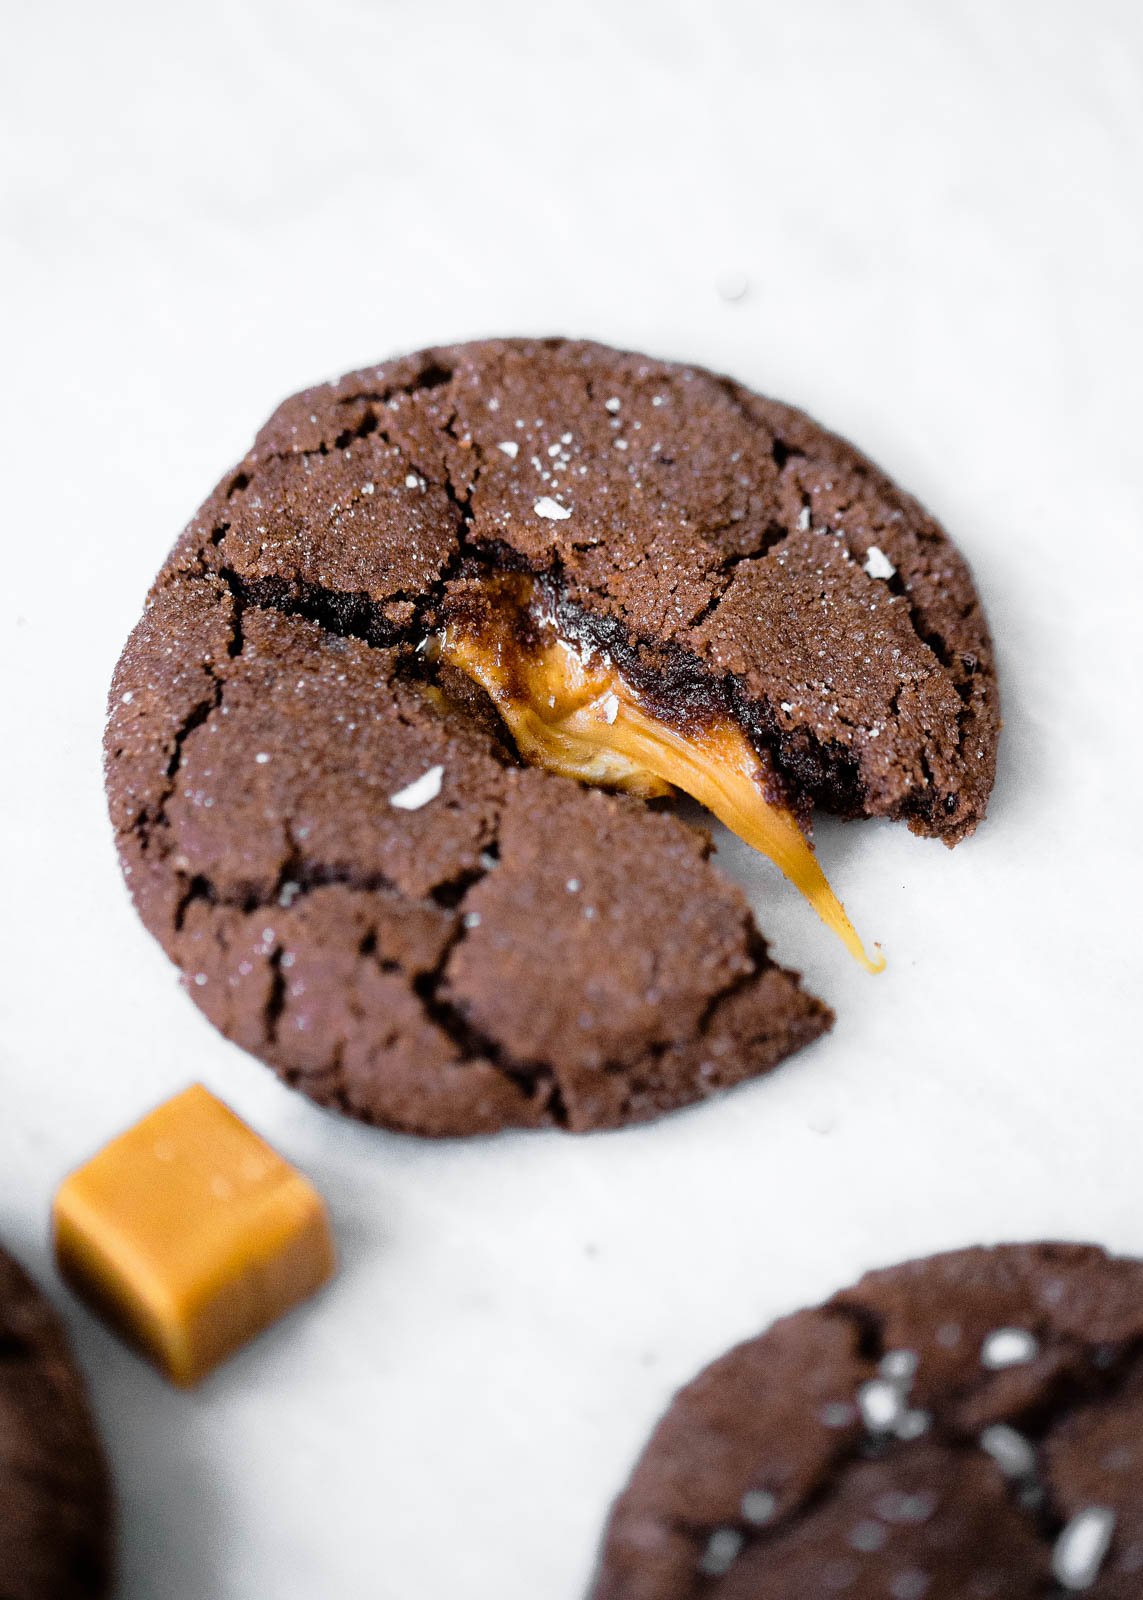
<point x="713" y="543"/>
<point x="875" y="1446"/>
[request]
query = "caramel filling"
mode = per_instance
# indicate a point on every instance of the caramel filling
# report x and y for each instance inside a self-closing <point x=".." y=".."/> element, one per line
<point x="571" y="710"/>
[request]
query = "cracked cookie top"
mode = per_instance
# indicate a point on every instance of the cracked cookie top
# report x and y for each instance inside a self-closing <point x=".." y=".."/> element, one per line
<point x="363" y="887"/>
<point x="55" y="1495"/>
<point x="276" y="719"/>
<point x="957" y="1428"/>
<point x="695" y="517"/>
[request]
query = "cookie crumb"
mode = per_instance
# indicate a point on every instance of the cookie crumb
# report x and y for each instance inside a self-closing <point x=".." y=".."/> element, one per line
<point x="418" y="793"/>
<point x="733" y="286"/>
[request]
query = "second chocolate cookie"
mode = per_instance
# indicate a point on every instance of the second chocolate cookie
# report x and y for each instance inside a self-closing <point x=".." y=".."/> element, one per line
<point x="959" y="1428"/>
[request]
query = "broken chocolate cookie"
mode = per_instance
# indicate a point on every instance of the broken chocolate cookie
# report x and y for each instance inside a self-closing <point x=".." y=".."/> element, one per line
<point x="625" y="572"/>
<point x="55" y="1493"/>
<point x="958" y="1428"/>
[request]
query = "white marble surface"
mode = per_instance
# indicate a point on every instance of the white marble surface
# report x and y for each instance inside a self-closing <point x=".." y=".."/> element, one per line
<point x="939" y="213"/>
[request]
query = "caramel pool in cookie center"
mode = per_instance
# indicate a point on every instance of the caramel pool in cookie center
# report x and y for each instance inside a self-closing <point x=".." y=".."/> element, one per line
<point x="571" y="710"/>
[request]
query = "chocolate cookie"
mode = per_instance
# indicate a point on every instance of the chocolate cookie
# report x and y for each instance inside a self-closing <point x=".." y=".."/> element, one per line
<point x="633" y="573"/>
<point x="958" y="1428"/>
<point x="55" y="1494"/>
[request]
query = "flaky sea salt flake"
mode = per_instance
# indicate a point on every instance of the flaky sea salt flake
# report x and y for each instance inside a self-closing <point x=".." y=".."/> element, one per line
<point x="545" y="506"/>
<point x="722" y="1550"/>
<point x="1008" y="1347"/>
<point x="880" y="1405"/>
<point x="1012" y="1453"/>
<point x="912" y="1584"/>
<point x="898" y="1366"/>
<point x="836" y="1414"/>
<point x="1082" y="1547"/>
<point x="758" y="1505"/>
<point x="418" y="793"/>
<point x="878" y="564"/>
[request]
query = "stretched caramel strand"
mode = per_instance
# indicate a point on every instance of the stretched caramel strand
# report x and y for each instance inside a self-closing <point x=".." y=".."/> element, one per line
<point x="572" y="711"/>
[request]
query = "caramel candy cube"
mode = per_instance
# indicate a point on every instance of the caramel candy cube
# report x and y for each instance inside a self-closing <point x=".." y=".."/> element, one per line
<point x="191" y="1235"/>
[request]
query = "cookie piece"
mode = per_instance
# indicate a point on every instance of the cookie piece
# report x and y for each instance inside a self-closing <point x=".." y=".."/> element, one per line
<point x="55" y="1492"/>
<point x="307" y="800"/>
<point x="957" y="1428"/>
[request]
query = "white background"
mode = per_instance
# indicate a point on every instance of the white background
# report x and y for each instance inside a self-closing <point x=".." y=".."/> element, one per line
<point x="939" y="212"/>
